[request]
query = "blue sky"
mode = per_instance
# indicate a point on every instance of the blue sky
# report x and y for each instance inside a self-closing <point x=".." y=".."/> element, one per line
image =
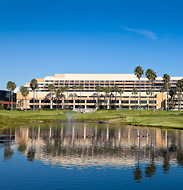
<point x="39" y="38"/>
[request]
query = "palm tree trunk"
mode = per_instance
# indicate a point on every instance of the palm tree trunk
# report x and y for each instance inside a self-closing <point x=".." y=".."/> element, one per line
<point x="11" y="100"/>
<point x="25" y="104"/>
<point x="140" y="95"/>
<point x="167" y="99"/>
<point x="33" y="100"/>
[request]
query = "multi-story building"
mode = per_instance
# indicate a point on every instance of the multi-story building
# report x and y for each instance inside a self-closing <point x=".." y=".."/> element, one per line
<point x="87" y="97"/>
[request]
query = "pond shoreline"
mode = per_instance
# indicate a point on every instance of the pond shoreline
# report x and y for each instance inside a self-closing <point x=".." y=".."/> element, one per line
<point x="160" y="119"/>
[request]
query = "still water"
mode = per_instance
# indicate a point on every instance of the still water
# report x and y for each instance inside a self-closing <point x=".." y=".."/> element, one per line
<point x="90" y="156"/>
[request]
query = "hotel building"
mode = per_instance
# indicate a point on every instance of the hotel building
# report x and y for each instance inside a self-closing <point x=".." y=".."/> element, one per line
<point x="89" y="98"/>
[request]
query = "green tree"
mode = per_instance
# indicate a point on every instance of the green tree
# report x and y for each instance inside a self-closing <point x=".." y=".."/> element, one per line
<point x="139" y="72"/>
<point x="24" y="91"/>
<point x="51" y="88"/>
<point x="166" y="80"/>
<point x="34" y="86"/>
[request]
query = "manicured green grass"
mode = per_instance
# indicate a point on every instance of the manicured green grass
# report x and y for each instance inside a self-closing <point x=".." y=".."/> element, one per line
<point x="169" y="119"/>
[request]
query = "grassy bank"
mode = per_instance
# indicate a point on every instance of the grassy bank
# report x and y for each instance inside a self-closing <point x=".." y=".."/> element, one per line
<point x="131" y="117"/>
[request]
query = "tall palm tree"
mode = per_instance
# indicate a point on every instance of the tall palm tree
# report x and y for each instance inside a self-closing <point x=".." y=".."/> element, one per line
<point x="107" y="90"/>
<point x="8" y="86"/>
<point x="115" y="89"/>
<point x="81" y="88"/>
<point x="57" y="96"/>
<point x="74" y="95"/>
<point x="98" y="90"/>
<point x="66" y="90"/>
<point x="24" y="91"/>
<point x="172" y="94"/>
<point x="62" y="90"/>
<point x="149" y="93"/>
<point x="139" y="72"/>
<point x="135" y="92"/>
<point x="166" y="80"/>
<point x="120" y="91"/>
<point x="12" y="88"/>
<point x="162" y="90"/>
<point x="179" y="85"/>
<point x="51" y="88"/>
<point x="34" y="86"/>
<point x="151" y="75"/>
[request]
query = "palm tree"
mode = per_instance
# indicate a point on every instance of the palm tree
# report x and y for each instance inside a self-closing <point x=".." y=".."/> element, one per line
<point x="166" y="80"/>
<point x="172" y="94"/>
<point x="81" y="88"/>
<point x="62" y="90"/>
<point x="149" y="92"/>
<point x="8" y="86"/>
<point x="57" y="96"/>
<point x="98" y="90"/>
<point x="179" y="85"/>
<point x="135" y="92"/>
<point x="34" y="86"/>
<point x="120" y="91"/>
<point x="74" y="95"/>
<point x="24" y="91"/>
<point x="51" y="88"/>
<point x="11" y="87"/>
<point x="66" y="90"/>
<point x="162" y="90"/>
<point x="139" y="72"/>
<point x="151" y="75"/>
<point x="115" y="89"/>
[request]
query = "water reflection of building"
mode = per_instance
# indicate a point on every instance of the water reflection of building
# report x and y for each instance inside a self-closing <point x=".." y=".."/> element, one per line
<point x="84" y="146"/>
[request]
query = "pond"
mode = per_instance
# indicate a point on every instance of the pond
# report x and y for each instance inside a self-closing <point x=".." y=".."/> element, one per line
<point x="90" y="156"/>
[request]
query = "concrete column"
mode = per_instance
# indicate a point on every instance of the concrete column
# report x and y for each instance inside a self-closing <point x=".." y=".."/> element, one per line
<point x="120" y="103"/>
<point x="28" y="102"/>
<point x="74" y="104"/>
<point x="108" y="104"/>
<point x="39" y="104"/>
<point x="85" y="104"/>
<point x="51" y="104"/>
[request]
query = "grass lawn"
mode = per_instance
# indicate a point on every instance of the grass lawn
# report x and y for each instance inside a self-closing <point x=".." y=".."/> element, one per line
<point x="169" y="119"/>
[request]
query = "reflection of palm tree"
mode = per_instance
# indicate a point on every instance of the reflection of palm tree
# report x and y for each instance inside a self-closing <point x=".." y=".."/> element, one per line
<point x="22" y="147"/>
<point x="31" y="154"/>
<point x="137" y="173"/>
<point x="166" y="161"/>
<point x="8" y="152"/>
<point x="150" y="170"/>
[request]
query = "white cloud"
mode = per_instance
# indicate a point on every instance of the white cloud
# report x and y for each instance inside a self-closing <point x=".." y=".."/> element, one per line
<point x="145" y="33"/>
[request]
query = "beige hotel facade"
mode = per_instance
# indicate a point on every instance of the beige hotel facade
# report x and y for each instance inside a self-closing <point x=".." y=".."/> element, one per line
<point x="88" y="97"/>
